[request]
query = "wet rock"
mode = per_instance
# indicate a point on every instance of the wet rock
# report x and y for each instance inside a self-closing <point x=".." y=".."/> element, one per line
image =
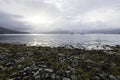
<point x="111" y="53"/>
<point x="49" y="70"/>
<point x="53" y="76"/>
<point x="13" y="75"/>
<point x="1" y="67"/>
<point x="97" y="78"/>
<point x="40" y="69"/>
<point x="112" y="77"/>
<point x="27" y="70"/>
<point x="72" y="70"/>
<point x="89" y="61"/>
<point x="118" y="77"/>
<point x="9" y="64"/>
<point x="36" y="73"/>
<point x="102" y="76"/>
<point x="4" y="68"/>
<point x="20" y="66"/>
<point x="66" y="78"/>
<point x="37" y="78"/>
<point x="20" y="60"/>
<point x="61" y="54"/>
<point x="74" y="77"/>
<point x="68" y="73"/>
<point x="34" y="67"/>
<point x="68" y="64"/>
<point x="29" y="53"/>
<point x="19" y="78"/>
<point x="47" y="76"/>
<point x="1" y="57"/>
<point x="58" y="78"/>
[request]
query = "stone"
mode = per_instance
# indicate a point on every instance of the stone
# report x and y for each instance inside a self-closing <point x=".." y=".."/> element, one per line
<point x="53" y="76"/>
<point x="73" y="77"/>
<point x="22" y="59"/>
<point x="58" y="78"/>
<point x="112" y="77"/>
<point x="97" y="78"/>
<point x="13" y="75"/>
<point x="34" y="67"/>
<point x="37" y="78"/>
<point x="36" y="73"/>
<point x="1" y="67"/>
<point x="20" y="66"/>
<point x="1" y="57"/>
<point x="47" y="75"/>
<point x="102" y="76"/>
<point x="27" y="68"/>
<point x="12" y="79"/>
<point x="61" y="54"/>
<point x="40" y="69"/>
<point x="30" y="53"/>
<point x="9" y="64"/>
<point x="89" y="61"/>
<point x="49" y="70"/>
<point x="66" y="78"/>
<point x="67" y="73"/>
<point x="19" y="78"/>
<point x="118" y="77"/>
<point x="111" y="53"/>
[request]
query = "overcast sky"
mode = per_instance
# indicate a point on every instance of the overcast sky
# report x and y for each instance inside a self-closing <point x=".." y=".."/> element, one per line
<point x="48" y="15"/>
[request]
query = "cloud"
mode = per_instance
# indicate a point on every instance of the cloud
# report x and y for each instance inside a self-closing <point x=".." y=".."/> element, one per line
<point x="11" y="21"/>
<point x="74" y="15"/>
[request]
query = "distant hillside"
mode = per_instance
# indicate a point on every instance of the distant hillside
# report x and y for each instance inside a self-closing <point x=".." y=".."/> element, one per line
<point x="107" y="31"/>
<point x="60" y="32"/>
<point x="9" y="31"/>
<point x="56" y="32"/>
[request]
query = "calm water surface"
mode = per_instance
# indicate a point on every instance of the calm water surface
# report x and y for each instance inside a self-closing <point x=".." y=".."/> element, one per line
<point x="61" y="39"/>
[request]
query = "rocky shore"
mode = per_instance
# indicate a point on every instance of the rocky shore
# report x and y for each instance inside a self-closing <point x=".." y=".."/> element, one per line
<point x="21" y="62"/>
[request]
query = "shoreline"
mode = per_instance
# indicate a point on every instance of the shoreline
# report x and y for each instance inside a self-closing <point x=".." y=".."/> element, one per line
<point x="22" y="62"/>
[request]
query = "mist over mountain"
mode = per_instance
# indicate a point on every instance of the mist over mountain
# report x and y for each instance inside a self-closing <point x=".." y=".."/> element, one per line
<point x="97" y="31"/>
<point x="61" y="31"/>
<point x="106" y="31"/>
<point x="9" y="31"/>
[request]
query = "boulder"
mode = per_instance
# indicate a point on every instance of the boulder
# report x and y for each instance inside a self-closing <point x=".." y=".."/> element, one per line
<point x="74" y="77"/>
<point x="49" y="70"/>
<point x="66" y="78"/>
<point x="112" y="77"/>
<point x="37" y="78"/>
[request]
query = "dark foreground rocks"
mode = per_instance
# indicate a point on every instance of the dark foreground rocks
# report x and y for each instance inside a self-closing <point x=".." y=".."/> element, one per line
<point x="21" y="62"/>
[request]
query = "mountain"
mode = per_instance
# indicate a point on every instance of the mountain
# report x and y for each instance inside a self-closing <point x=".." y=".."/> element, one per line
<point x="106" y="31"/>
<point x="60" y="32"/>
<point x="56" y="32"/>
<point x="9" y="31"/>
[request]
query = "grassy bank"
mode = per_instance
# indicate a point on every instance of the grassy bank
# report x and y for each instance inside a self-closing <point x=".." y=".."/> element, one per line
<point x="21" y="62"/>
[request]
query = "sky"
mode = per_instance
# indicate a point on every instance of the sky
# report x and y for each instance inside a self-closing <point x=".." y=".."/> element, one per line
<point x="51" y="15"/>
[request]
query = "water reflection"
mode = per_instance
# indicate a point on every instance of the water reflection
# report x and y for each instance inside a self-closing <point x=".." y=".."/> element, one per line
<point x="61" y="39"/>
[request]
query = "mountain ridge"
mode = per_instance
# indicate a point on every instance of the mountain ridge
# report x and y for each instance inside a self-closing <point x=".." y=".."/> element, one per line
<point x="106" y="31"/>
<point x="9" y="31"/>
